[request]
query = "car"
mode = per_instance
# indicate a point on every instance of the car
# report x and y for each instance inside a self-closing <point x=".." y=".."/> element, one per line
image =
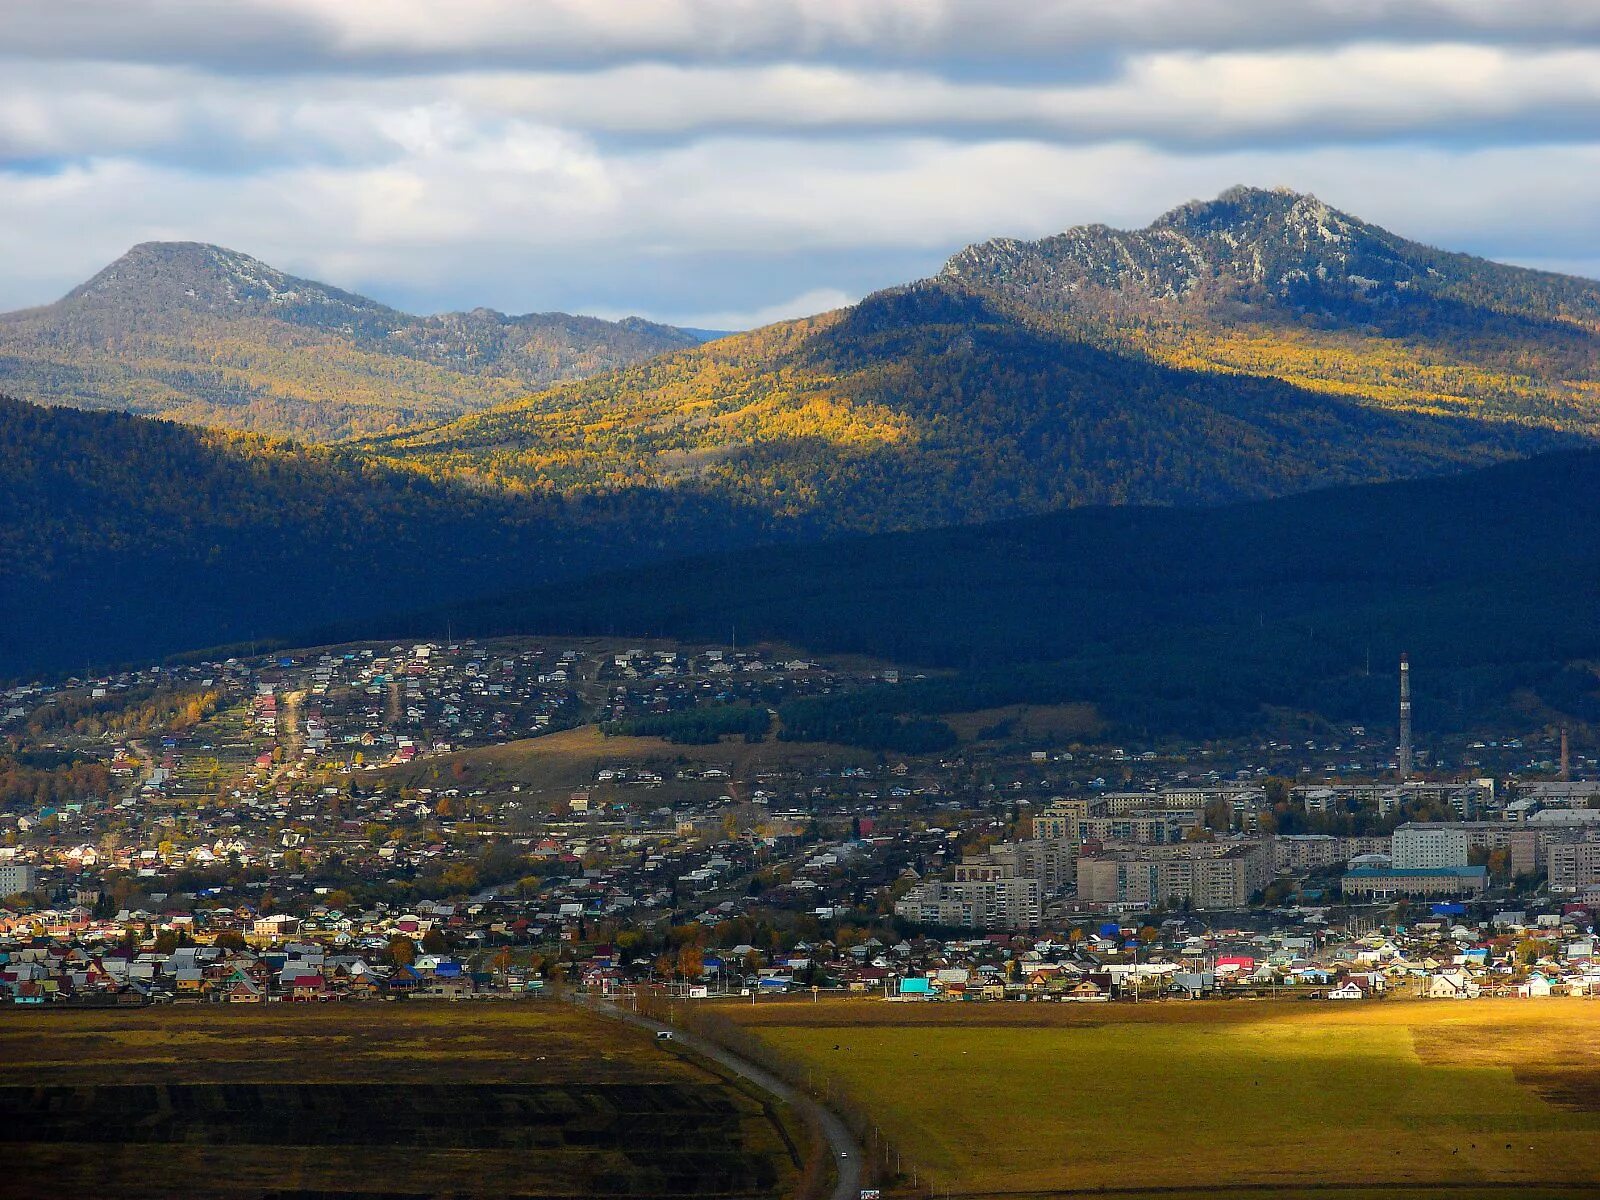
<point x="663" y="1035"/>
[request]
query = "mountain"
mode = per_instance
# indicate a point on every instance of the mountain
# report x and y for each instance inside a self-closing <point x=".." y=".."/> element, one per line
<point x="1250" y="346"/>
<point x="1278" y="283"/>
<point x="214" y="337"/>
<point x="1191" y="621"/>
<point x="998" y="390"/>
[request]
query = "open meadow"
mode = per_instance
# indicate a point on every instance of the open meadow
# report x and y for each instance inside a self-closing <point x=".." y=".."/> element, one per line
<point x="1287" y="1099"/>
<point x="556" y="763"/>
<point x="392" y="1100"/>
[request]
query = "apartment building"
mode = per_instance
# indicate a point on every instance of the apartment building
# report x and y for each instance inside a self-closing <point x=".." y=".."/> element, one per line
<point x="1421" y="846"/>
<point x="1574" y="865"/>
<point x="1207" y="875"/>
<point x="982" y="896"/>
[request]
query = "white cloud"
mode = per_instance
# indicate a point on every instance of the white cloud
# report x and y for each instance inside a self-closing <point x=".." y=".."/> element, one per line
<point x="296" y="35"/>
<point x="533" y="218"/>
<point x="817" y="300"/>
<point x="726" y="162"/>
<point x="1360" y="92"/>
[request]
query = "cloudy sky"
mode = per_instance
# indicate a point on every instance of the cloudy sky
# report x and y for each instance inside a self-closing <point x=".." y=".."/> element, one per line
<point x="727" y="162"/>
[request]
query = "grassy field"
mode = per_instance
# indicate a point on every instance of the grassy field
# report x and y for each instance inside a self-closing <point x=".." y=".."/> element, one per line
<point x="560" y="762"/>
<point x="394" y="1100"/>
<point x="1023" y="722"/>
<point x="1288" y="1099"/>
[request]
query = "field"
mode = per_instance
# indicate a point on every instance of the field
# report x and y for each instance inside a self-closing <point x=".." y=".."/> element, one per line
<point x="559" y="762"/>
<point x="1287" y="1099"/>
<point x="393" y="1100"/>
<point x="1038" y="722"/>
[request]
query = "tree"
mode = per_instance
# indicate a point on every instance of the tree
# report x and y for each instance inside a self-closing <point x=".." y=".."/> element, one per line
<point x="433" y="942"/>
<point x="402" y="951"/>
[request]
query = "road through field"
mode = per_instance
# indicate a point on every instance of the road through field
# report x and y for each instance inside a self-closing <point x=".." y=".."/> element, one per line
<point x="847" y="1155"/>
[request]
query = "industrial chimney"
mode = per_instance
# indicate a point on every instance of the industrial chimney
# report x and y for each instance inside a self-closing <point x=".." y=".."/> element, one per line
<point x="1405" y="718"/>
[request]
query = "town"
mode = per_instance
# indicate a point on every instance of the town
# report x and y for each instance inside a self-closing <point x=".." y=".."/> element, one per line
<point x="503" y="819"/>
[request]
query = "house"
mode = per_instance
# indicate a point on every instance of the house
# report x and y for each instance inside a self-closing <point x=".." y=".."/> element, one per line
<point x="1086" y="990"/>
<point x="1537" y="987"/>
<point x="403" y="981"/>
<point x="1452" y="985"/>
<point x="1349" y="990"/>
<point x="306" y="986"/>
<point x="1192" y="985"/>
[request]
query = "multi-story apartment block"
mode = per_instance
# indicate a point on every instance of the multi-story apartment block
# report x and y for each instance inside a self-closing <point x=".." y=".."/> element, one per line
<point x="1208" y="875"/>
<point x="1420" y="846"/>
<point x="982" y="896"/>
<point x="1574" y="865"/>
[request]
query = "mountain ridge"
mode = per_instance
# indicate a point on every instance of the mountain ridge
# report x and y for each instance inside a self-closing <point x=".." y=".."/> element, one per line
<point x="1248" y="348"/>
<point x="216" y="337"/>
<point x="1273" y="244"/>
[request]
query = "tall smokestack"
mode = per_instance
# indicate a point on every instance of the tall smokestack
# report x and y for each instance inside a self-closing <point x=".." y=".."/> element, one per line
<point x="1566" y="757"/>
<point x="1405" y="718"/>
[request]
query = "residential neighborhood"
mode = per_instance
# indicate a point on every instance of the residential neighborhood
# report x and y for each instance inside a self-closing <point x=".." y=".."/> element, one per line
<point x="504" y="820"/>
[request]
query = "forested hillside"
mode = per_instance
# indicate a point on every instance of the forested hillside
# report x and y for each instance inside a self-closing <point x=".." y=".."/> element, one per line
<point x="1188" y="620"/>
<point x="126" y="538"/>
<point x="933" y="405"/>
<point x="1026" y="380"/>
<point x="1250" y="346"/>
<point x="209" y="336"/>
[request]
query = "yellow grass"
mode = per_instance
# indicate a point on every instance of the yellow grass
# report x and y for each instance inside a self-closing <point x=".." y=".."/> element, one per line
<point x="1289" y="1097"/>
<point x="570" y="759"/>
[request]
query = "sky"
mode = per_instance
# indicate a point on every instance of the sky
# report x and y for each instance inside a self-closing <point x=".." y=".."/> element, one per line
<point x="724" y="163"/>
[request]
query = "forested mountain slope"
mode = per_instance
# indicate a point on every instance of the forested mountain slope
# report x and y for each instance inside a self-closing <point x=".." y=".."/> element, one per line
<point x="126" y="538"/>
<point x="937" y="404"/>
<point x="1188" y="620"/>
<point x="209" y="336"/>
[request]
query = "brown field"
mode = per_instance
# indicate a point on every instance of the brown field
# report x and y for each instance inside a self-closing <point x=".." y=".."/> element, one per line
<point x="1030" y="721"/>
<point x="526" y="1100"/>
<point x="561" y="762"/>
<point x="1288" y="1098"/>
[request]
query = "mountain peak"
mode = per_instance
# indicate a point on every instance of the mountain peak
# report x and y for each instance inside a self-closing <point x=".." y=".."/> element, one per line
<point x="215" y="336"/>
<point x="201" y="277"/>
<point x="1249" y="243"/>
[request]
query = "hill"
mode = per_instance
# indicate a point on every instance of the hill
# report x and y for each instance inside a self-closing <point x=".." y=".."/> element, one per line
<point x="1190" y="620"/>
<point x="129" y="538"/>
<point x="1253" y="346"/>
<point x="126" y="538"/>
<point x="213" y="337"/>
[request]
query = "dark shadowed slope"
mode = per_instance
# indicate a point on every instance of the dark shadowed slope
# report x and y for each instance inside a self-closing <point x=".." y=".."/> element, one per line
<point x="125" y="538"/>
<point x="1182" y="618"/>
